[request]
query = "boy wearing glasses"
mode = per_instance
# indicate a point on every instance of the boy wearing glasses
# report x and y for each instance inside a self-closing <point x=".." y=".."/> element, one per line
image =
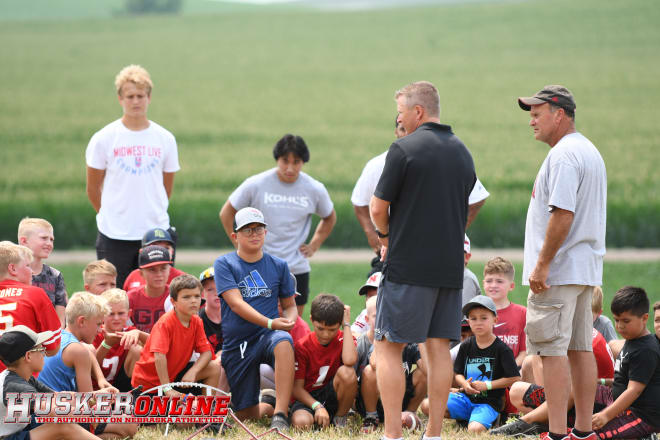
<point x="249" y="283"/>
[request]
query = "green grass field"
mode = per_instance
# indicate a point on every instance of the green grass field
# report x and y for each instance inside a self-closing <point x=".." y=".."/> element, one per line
<point x="231" y="79"/>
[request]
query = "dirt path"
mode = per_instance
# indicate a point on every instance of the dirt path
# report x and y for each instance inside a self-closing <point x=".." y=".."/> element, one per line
<point x="207" y="256"/>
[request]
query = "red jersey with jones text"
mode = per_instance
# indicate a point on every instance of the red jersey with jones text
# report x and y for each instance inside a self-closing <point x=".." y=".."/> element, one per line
<point x="21" y="304"/>
<point x="317" y="364"/>
<point x="510" y="327"/>
<point x="146" y="310"/>
<point x="114" y="359"/>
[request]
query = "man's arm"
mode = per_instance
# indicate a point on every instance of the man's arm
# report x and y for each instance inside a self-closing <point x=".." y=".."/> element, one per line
<point x="227" y="214"/>
<point x="362" y="215"/>
<point x="237" y="305"/>
<point x="379" y="210"/>
<point x="168" y="183"/>
<point x="322" y="231"/>
<point x="95" y="186"/>
<point x="473" y="210"/>
<point x="559" y="226"/>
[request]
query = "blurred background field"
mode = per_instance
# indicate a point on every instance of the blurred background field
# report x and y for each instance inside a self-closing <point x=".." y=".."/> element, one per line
<point x="230" y="79"/>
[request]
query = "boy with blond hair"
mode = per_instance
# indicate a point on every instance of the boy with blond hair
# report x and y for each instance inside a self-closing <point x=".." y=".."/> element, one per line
<point x="118" y="345"/>
<point x="498" y="282"/>
<point x="21" y="303"/>
<point x="165" y="355"/>
<point x="99" y="276"/>
<point x="37" y="235"/>
<point x="601" y="322"/>
<point x="130" y="174"/>
<point x="72" y="367"/>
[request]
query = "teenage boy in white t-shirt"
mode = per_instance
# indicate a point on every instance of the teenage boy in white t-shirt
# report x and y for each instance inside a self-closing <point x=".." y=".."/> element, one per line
<point x="130" y="174"/>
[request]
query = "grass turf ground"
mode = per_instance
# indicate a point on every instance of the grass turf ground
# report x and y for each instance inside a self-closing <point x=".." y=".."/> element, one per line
<point x="230" y="81"/>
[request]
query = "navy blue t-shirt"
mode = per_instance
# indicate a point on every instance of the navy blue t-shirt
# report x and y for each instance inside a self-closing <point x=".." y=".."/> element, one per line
<point x="261" y="284"/>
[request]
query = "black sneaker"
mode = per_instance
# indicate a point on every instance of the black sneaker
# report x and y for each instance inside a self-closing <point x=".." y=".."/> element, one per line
<point x="369" y="425"/>
<point x="280" y="422"/>
<point x="268" y="396"/>
<point x="519" y="428"/>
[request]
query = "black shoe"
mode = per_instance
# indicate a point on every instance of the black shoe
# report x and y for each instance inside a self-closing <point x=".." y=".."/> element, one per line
<point x="519" y="428"/>
<point x="280" y="422"/>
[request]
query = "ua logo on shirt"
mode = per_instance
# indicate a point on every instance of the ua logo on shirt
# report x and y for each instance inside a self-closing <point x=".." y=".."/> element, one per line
<point x="254" y="285"/>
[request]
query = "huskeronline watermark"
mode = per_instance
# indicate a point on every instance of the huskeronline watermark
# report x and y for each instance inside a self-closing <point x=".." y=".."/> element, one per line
<point x="114" y="408"/>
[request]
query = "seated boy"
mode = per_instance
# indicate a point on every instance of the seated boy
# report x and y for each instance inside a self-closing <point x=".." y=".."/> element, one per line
<point x="156" y="237"/>
<point x="72" y="367"/>
<point x="369" y="289"/>
<point x="164" y="358"/>
<point x="99" y="276"/>
<point x="470" y="281"/>
<point x="118" y="346"/>
<point x="147" y="303"/>
<point x="484" y="367"/>
<point x="498" y="282"/>
<point x="250" y="282"/>
<point x="37" y="235"/>
<point x="635" y="410"/>
<point x="211" y="315"/>
<point x="326" y="383"/>
<point x="368" y="403"/>
<point x="22" y="350"/>
<point x="21" y="303"/>
<point x="601" y="322"/>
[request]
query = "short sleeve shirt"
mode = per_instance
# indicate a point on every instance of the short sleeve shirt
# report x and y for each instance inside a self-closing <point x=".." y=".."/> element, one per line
<point x="133" y="198"/>
<point x="470" y="286"/>
<point x="10" y="382"/>
<point x="427" y="179"/>
<point x="317" y="364"/>
<point x="288" y="210"/>
<point x="573" y="178"/>
<point x="604" y="325"/>
<point x="114" y="359"/>
<point x="510" y="327"/>
<point x="261" y="284"/>
<point x="146" y="310"/>
<point x="51" y="280"/>
<point x="213" y="331"/>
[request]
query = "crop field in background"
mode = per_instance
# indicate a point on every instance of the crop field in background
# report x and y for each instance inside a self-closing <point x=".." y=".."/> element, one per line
<point x="232" y="79"/>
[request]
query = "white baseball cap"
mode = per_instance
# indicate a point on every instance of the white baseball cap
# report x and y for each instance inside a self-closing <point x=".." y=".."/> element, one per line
<point x="246" y="216"/>
<point x="466" y="244"/>
<point x="372" y="281"/>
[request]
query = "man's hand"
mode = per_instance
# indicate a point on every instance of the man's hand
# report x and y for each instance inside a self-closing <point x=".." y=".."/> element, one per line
<point x="321" y="416"/>
<point x="282" y="324"/>
<point x="538" y="278"/>
<point x="384" y="242"/>
<point x="308" y="250"/>
<point x="599" y="420"/>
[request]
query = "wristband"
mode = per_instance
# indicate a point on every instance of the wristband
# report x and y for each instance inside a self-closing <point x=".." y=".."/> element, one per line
<point x="104" y="345"/>
<point x="489" y="385"/>
<point x="381" y="235"/>
<point x="315" y="405"/>
<point x="602" y="381"/>
<point x="270" y="324"/>
<point x="166" y="388"/>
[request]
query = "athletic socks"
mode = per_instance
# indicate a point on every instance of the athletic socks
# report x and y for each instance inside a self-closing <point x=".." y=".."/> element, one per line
<point x="554" y="436"/>
<point x="372" y="414"/>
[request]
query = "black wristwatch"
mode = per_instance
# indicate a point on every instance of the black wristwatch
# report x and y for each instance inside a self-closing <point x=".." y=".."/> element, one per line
<point x="381" y="235"/>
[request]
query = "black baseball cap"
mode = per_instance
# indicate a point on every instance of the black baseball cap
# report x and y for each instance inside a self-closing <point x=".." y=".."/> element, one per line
<point x="153" y="255"/>
<point x="155" y="235"/>
<point x="18" y="340"/>
<point x="552" y="94"/>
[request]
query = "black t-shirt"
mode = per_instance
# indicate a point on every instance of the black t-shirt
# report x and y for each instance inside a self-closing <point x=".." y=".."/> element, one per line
<point x="213" y="331"/>
<point x="427" y="178"/>
<point x="493" y="362"/>
<point x="639" y="360"/>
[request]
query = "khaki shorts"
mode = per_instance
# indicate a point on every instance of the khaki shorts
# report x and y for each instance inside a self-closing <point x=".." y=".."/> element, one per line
<point x="559" y="320"/>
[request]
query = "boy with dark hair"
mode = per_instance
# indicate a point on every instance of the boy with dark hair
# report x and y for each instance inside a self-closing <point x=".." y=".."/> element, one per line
<point x="635" y="411"/>
<point x="484" y="367"/>
<point x="326" y="383"/>
<point x="250" y="282"/>
<point x="154" y="237"/>
<point x="22" y="350"/>
<point x="289" y="198"/>
<point x="147" y="303"/>
<point x="173" y="338"/>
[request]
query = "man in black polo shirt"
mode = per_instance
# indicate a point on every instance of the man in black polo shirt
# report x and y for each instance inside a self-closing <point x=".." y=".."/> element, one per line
<point x="420" y="209"/>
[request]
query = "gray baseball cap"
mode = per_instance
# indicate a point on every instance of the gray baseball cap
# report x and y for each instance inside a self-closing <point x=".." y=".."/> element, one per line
<point x="552" y="94"/>
<point x="246" y="216"/>
<point x="480" y="301"/>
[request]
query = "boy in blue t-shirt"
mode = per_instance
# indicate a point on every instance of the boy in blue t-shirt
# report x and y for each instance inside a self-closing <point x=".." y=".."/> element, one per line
<point x="249" y="283"/>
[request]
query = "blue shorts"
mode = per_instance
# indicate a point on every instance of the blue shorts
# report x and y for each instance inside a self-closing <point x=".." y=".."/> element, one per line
<point x="242" y="366"/>
<point x="460" y="407"/>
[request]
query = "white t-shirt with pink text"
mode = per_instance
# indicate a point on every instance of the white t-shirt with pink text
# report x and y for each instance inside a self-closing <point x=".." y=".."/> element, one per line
<point x="133" y="198"/>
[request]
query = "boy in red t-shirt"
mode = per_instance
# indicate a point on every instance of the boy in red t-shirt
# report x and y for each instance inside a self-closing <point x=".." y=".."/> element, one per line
<point x="510" y="328"/>
<point x="147" y="303"/>
<point x="158" y="237"/>
<point x="118" y="346"/>
<point x="21" y="303"/>
<point x="165" y="356"/>
<point x="325" y="381"/>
